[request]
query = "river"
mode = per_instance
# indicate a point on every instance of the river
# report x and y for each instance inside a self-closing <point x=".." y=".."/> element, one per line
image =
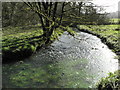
<point x="70" y="62"/>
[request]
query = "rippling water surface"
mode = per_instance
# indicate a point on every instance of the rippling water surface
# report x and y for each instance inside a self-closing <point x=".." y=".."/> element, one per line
<point x="69" y="62"/>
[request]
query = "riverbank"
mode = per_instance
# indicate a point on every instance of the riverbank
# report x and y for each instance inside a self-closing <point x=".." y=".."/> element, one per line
<point x="109" y="34"/>
<point x="19" y="43"/>
<point x="112" y="82"/>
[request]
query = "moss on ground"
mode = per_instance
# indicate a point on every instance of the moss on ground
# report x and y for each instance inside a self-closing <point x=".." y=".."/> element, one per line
<point x="18" y="43"/>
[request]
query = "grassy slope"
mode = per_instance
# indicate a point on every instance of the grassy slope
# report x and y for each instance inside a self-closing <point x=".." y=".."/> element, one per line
<point x="17" y="43"/>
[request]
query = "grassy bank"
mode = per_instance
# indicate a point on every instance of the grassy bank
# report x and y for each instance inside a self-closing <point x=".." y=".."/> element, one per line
<point x="109" y="35"/>
<point x="19" y="43"/>
<point x="112" y="82"/>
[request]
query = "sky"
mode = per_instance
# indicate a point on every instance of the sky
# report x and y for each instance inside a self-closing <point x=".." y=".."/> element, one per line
<point x="112" y="5"/>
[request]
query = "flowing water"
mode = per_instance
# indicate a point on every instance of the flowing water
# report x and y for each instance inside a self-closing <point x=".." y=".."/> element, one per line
<point x="69" y="62"/>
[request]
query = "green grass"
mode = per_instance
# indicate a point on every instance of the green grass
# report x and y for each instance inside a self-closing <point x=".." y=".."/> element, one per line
<point x="110" y="32"/>
<point x="114" y="20"/>
<point x="18" y="42"/>
<point x="112" y="81"/>
<point x="17" y="30"/>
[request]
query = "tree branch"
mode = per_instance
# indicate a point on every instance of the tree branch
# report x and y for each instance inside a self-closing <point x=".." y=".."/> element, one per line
<point x="61" y="16"/>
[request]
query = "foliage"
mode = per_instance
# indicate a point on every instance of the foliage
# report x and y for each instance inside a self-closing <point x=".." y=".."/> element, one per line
<point x="110" y="82"/>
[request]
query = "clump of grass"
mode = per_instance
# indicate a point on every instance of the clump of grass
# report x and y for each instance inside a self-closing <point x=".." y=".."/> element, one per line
<point x="111" y="82"/>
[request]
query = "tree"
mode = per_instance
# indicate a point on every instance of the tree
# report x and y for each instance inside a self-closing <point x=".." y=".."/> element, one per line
<point x="53" y="15"/>
<point x="47" y="15"/>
